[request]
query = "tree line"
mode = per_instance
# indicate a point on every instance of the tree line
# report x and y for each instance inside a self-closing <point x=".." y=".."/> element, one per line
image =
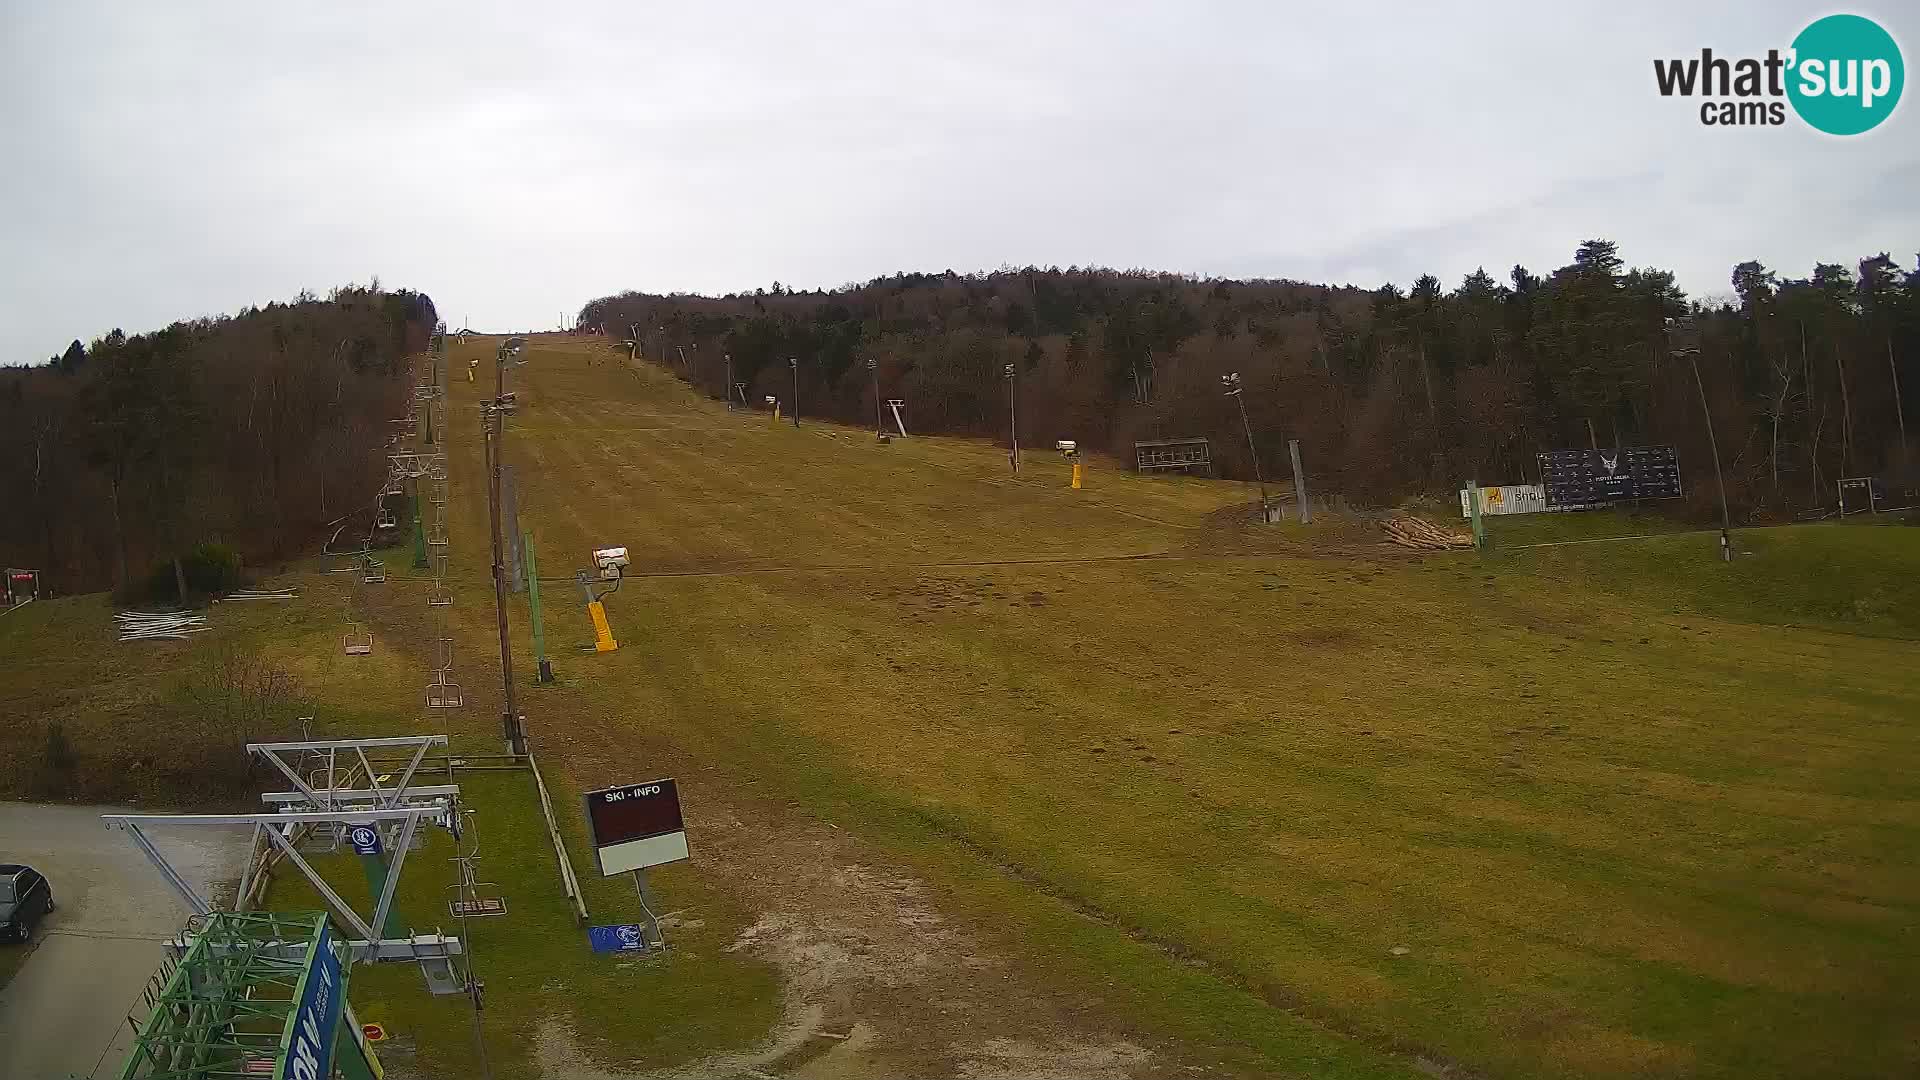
<point x="253" y="431"/>
<point x="1393" y="392"/>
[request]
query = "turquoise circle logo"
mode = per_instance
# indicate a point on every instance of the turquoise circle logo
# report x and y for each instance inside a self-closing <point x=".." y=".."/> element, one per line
<point x="1847" y="74"/>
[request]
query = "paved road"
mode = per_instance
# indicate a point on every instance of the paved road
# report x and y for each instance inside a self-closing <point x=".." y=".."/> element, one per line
<point x="64" y="1014"/>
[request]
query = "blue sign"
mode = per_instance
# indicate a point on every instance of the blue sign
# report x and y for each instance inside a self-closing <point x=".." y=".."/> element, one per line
<point x="365" y="839"/>
<point x="626" y="937"/>
<point x="309" y="1035"/>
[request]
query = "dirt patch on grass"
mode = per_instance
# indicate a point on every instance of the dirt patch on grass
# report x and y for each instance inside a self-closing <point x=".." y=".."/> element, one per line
<point x="877" y="981"/>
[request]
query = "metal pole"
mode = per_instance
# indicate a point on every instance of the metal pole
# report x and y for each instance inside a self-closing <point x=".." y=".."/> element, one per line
<point x="180" y="886"/>
<point x="727" y="390"/>
<point x="794" y="363"/>
<point x="1726" y="520"/>
<point x="496" y="425"/>
<point x="1299" y="481"/>
<point x="419" y="530"/>
<point x="1473" y="513"/>
<point x="1013" y="417"/>
<point x="545" y="666"/>
<point x="646" y="907"/>
<point x="873" y="368"/>
<point x="1257" y="475"/>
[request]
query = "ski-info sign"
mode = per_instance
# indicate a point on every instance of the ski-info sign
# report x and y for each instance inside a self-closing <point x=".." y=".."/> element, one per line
<point x="636" y="826"/>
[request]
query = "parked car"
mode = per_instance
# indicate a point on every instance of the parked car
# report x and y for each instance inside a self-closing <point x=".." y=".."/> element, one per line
<point x="25" y="898"/>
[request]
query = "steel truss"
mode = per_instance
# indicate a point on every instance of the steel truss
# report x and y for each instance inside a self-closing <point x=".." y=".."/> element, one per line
<point x="408" y="818"/>
<point x="330" y="786"/>
<point x="227" y="1006"/>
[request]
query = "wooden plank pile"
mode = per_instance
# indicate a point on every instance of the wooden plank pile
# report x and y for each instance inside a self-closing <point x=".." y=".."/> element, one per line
<point x="1423" y="535"/>
<point x="260" y="594"/>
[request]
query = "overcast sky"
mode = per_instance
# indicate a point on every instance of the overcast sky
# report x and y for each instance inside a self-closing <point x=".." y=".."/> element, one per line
<point x="171" y="160"/>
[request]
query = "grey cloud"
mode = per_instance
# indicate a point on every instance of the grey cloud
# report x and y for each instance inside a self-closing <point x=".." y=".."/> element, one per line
<point x="516" y="160"/>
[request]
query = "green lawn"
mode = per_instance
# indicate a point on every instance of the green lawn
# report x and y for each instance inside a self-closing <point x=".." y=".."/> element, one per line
<point x="1581" y="811"/>
<point x="1853" y="577"/>
<point x="538" y="969"/>
<point x="1300" y="802"/>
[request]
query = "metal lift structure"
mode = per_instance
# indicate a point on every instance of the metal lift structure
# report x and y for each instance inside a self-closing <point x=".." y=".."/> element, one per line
<point x="254" y="994"/>
<point x="337" y="792"/>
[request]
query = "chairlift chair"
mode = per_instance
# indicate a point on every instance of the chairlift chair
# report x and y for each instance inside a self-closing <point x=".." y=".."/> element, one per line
<point x="467" y="892"/>
<point x="442" y="694"/>
<point x="374" y="571"/>
<point x="358" y="642"/>
<point x="439" y="596"/>
<point x="385" y="519"/>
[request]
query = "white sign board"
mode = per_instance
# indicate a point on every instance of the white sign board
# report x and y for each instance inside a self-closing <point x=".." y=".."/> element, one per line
<point x="1507" y="499"/>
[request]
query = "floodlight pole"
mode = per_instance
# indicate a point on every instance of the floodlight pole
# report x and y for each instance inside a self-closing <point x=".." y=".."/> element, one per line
<point x="794" y="363"/>
<point x="1692" y="352"/>
<point x="873" y="369"/>
<point x="1713" y="444"/>
<point x="726" y="391"/>
<point x="1232" y="382"/>
<point x="494" y="422"/>
<point x="1013" y="418"/>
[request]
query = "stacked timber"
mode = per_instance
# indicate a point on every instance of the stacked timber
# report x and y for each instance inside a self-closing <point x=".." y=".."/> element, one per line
<point x="1423" y="535"/>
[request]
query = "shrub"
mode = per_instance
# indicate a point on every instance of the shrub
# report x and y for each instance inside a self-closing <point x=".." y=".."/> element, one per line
<point x="57" y="765"/>
<point x="208" y="717"/>
<point x="211" y="569"/>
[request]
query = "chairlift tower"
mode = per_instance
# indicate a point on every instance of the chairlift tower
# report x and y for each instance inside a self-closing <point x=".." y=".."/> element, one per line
<point x="493" y="420"/>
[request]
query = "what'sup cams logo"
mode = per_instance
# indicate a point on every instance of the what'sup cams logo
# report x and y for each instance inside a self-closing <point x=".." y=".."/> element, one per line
<point x="1842" y="75"/>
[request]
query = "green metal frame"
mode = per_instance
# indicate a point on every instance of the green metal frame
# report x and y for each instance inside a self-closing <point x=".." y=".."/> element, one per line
<point x="229" y="1002"/>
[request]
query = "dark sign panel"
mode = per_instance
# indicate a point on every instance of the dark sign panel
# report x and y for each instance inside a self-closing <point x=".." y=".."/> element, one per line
<point x="636" y="826"/>
<point x="1580" y="479"/>
<point x="365" y="840"/>
<point x="634" y="812"/>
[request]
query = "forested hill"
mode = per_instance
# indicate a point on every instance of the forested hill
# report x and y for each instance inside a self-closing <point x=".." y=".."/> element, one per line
<point x="251" y="431"/>
<point x="1391" y="392"/>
